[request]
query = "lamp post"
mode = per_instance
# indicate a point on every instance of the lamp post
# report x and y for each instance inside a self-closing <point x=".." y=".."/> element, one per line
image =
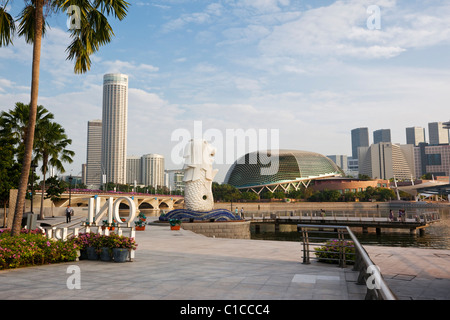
<point x="446" y="125"/>
<point x="70" y="189"/>
<point x="33" y="170"/>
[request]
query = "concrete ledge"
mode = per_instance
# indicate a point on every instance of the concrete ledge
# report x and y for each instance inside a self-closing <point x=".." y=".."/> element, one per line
<point x="230" y="230"/>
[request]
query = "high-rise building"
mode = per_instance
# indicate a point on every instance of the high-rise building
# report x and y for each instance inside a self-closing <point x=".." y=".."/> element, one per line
<point x="93" y="172"/>
<point x="381" y="135"/>
<point x="175" y="180"/>
<point x="385" y="160"/>
<point x="114" y="133"/>
<point x="415" y="135"/>
<point x="134" y="170"/>
<point x="437" y="134"/>
<point x="360" y="138"/>
<point x="432" y="159"/>
<point x="152" y="170"/>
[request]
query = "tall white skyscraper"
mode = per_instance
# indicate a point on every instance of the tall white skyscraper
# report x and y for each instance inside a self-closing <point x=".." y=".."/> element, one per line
<point x="152" y="170"/>
<point x="114" y="129"/>
<point x="93" y="172"/>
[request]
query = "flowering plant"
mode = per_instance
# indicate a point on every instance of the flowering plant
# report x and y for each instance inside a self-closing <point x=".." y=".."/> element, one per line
<point x="330" y="252"/>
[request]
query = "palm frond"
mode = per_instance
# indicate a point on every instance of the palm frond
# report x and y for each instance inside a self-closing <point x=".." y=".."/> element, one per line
<point x="27" y="23"/>
<point x="7" y="28"/>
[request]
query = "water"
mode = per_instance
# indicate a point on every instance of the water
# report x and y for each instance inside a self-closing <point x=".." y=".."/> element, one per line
<point x="437" y="235"/>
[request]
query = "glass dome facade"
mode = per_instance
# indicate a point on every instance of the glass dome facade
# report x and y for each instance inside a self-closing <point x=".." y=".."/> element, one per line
<point x="262" y="168"/>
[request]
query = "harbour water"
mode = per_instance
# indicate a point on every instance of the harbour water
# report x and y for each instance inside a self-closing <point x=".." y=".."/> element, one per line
<point x="437" y="235"/>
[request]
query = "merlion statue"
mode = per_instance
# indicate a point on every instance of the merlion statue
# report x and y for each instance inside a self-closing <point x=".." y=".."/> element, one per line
<point x="199" y="175"/>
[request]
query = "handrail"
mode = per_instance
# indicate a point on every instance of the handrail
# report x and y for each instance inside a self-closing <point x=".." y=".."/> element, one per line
<point x="369" y="273"/>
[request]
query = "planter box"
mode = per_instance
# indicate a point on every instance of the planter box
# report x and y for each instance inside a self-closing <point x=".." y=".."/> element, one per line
<point x="140" y="228"/>
<point x="177" y="227"/>
<point x="120" y="254"/>
<point x="91" y="253"/>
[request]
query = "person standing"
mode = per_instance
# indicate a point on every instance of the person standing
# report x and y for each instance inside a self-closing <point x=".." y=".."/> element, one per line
<point x="242" y="213"/>
<point x="69" y="214"/>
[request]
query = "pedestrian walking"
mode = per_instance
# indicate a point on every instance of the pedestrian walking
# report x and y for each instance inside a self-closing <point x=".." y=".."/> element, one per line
<point x="69" y="214"/>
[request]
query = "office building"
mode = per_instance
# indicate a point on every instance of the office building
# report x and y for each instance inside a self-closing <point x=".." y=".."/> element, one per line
<point x="432" y="159"/>
<point x="114" y="128"/>
<point x="437" y="134"/>
<point x="415" y="135"/>
<point x="152" y="170"/>
<point x="382" y="135"/>
<point x="175" y="180"/>
<point x="385" y="160"/>
<point x="360" y="138"/>
<point x="93" y="169"/>
<point x="134" y="175"/>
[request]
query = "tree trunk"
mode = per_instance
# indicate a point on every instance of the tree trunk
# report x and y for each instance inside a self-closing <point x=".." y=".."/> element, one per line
<point x="23" y="183"/>
<point x="41" y="212"/>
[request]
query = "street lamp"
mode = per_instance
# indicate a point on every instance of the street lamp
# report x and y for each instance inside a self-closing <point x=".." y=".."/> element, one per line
<point x="70" y="189"/>
<point x="33" y="170"/>
<point x="446" y="125"/>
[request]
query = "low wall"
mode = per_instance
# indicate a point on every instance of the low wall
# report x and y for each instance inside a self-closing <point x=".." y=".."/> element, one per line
<point x="230" y="230"/>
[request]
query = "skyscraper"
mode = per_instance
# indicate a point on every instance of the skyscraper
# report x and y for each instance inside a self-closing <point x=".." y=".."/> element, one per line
<point x="415" y="135"/>
<point x="134" y="170"/>
<point x="360" y="138"/>
<point x="152" y="170"/>
<point x="381" y="135"/>
<point x="94" y="154"/>
<point x="114" y="129"/>
<point x="437" y="134"/>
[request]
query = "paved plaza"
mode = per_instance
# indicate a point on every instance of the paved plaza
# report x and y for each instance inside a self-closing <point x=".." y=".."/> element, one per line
<point x="181" y="265"/>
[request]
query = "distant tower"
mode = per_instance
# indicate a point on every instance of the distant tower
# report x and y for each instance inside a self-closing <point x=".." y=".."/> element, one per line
<point x="152" y="170"/>
<point x="134" y="170"/>
<point x="437" y="134"/>
<point x="114" y="130"/>
<point x="382" y="135"/>
<point x="360" y="138"/>
<point x="94" y="153"/>
<point x="415" y="135"/>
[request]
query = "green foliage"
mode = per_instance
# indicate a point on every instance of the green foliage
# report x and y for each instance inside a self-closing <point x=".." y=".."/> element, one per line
<point x="329" y="252"/>
<point x="225" y="192"/>
<point x="174" y="222"/>
<point x="33" y="248"/>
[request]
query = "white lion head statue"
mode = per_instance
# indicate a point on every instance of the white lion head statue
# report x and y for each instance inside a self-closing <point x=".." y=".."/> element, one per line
<point x="199" y="158"/>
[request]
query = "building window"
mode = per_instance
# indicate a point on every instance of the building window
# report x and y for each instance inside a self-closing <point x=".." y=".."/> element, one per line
<point x="434" y="159"/>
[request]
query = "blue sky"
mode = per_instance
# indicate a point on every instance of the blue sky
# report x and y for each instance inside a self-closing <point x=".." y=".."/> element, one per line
<point x="311" y="69"/>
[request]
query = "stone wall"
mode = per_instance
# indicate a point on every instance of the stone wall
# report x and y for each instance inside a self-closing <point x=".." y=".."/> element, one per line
<point x="230" y="230"/>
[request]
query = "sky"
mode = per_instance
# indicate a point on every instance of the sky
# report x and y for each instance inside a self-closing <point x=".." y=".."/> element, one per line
<point x="307" y="71"/>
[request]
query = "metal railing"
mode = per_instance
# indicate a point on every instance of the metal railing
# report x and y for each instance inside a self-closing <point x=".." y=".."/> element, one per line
<point x="344" y="248"/>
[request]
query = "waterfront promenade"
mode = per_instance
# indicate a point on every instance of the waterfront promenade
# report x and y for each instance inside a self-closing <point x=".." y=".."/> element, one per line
<point x="181" y="265"/>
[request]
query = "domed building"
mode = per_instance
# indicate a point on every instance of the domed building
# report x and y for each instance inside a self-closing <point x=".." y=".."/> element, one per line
<point x="283" y="169"/>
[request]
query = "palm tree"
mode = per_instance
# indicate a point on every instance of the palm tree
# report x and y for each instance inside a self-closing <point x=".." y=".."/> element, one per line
<point x="92" y="32"/>
<point x="51" y="143"/>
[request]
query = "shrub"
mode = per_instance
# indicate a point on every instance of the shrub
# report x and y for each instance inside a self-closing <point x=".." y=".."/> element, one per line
<point x="34" y="248"/>
<point x="329" y="252"/>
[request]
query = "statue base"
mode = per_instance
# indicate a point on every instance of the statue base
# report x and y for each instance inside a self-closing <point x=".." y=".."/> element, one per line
<point x="186" y="215"/>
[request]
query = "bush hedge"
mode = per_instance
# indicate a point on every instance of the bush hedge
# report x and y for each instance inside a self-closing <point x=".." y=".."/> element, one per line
<point x="329" y="252"/>
<point x="32" y="247"/>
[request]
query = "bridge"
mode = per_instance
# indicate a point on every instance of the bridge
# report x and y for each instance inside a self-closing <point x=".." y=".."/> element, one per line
<point x="142" y="200"/>
<point x="413" y="223"/>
